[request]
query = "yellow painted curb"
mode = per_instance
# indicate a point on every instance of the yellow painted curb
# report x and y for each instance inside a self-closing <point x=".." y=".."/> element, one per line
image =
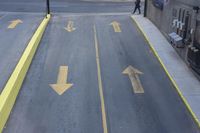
<point x="168" y="74"/>
<point x="13" y="85"/>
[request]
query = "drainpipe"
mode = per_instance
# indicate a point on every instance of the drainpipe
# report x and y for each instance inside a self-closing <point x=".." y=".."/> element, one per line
<point x="145" y="8"/>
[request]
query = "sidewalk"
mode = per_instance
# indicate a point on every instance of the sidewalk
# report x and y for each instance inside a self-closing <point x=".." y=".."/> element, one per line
<point x="181" y="76"/>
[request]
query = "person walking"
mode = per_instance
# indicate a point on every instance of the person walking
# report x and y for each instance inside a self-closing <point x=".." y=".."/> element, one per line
<point x="137" y="6"/>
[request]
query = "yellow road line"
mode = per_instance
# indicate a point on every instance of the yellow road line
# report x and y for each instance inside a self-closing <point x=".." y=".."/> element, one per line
<point x="105" y="128"/>
<point x="168" y="74"/>
<point x="13" y="85"/>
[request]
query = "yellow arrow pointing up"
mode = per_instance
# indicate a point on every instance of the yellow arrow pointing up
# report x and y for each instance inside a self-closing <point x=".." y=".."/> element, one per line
<point x="70" y="26"/>
<point x="133" y="75"/>
<point x="14" y="23"/>
<point x="116" y="26"/>
<point x="62" y="84"/>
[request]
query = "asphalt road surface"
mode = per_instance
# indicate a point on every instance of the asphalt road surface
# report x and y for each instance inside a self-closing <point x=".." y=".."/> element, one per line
<point x="70" y="6"/>
<point x="101" y="98"/>
<point x="14" y="40"/>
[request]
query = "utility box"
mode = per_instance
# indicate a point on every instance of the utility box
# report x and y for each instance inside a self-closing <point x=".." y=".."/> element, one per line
<point x="176" y="40"/>
<point x="172" y="35"/>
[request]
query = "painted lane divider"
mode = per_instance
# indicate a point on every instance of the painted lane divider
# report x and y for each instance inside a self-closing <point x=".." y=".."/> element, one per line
<point x="70" y="26"/>
<point x="14" y="23"/>
<point x="116" y="26"/>
<point x="103" y="110"/>
<point x="133" y="74"/>
<point x="13" y="85"/>
<point x="62" y="84"/>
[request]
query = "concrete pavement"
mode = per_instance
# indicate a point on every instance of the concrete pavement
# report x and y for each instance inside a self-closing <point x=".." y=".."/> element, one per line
<point x="40" y="109"/>
<point x="77" y="110"/>
<point x="96" y="48"/>
<point x="185" y="81"/>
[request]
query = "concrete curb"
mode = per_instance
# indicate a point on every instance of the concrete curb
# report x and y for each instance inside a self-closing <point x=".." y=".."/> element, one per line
<point x="168" y="74"/>
<point x="13" y="85"/>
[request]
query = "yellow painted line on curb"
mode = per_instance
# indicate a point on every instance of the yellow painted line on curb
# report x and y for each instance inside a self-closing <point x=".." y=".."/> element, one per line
<point x="13" y="85"/>
<point x="105" y="128"/>
<point x="168" y="74"/>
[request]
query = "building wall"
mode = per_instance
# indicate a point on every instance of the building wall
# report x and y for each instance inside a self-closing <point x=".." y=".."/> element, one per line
<point x="168" y="20"/>
<point x="163" y="19"/>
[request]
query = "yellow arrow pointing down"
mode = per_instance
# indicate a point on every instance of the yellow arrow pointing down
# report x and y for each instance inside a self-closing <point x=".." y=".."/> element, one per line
<point x="14" y="23"/>
<point x="70" y="26"/>
<point x="62" y="84"/>
<point x="135" y="80"/>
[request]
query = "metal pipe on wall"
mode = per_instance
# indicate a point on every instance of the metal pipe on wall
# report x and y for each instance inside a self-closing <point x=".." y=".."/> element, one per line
<point x="145" y="8"/>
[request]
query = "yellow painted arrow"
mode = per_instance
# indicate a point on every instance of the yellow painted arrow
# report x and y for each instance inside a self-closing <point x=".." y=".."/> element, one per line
<point x="62" y="84"/>
<point x="70" y="26"/>
<point x="135" y="80"/>
<point x="14" y="23"/>
<point x="116" y="26"/>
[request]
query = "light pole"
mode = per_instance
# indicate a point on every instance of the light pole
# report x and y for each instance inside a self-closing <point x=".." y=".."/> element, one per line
<point x="145" y="8"/>
<point x="48" y="7"/>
